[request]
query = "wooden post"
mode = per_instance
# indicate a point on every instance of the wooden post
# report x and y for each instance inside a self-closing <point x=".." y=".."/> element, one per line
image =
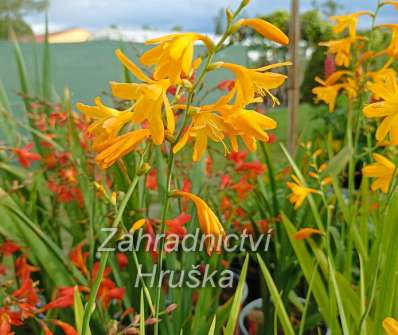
<point x="294" y="74"/>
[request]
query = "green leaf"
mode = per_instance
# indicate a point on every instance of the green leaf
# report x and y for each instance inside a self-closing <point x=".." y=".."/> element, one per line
<point x="308" y="266"/>
<point x="142" y="314"/>
<point x="213" y="326"/>
<point x="46" y="76"/>
<point x="236" y="303"/>
<point x="42" y="247"/>
<point x="276" y="298"/>
<point x="78" y="310"/>
<point x="338" y="162"/>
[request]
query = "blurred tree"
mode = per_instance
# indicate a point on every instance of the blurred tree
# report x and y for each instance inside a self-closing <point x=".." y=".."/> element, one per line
<point x="11" y="16"/>
<point x="327" y="7"/>
<point x="219" y="22"/>
<point x="18" y="25"/>
<point x="331" y="7"/>
<point x="314" y="29"/>
<point x="19" y="8"/>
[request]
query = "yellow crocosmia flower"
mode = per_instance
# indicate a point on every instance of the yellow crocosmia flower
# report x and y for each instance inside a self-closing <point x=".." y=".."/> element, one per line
<point x="330" y="88"/>
<point x="266" y="29"/>
<point x="349" y="22"/>
<point x="342" y="49"/>
<point x="105" y="118"/>
<point x="150" y="99"/>
<point x="107" y="122"/>
<point x="351" y="88"/>
<point x="392" y="49"/>
<point x="394" y="3"/>
<point x="386" y="109"/>
<point x="120" y="146"/>
<point x="390" y="325"/>
<point x="384" y="74"/>
<point x="383" y="170"/>
<point x="248" y="82"/>
<point x="173" y="56"/>
<point x="299" y="192"/>
<point x="327" y="94"/>
<point x="208" y="221"/>
<point x="204" y="125"/>
<point x="249" y="125"/>
<point x="305" y="233"/>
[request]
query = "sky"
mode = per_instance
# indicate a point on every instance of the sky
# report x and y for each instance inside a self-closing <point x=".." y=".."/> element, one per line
<point x="191" y="15"/>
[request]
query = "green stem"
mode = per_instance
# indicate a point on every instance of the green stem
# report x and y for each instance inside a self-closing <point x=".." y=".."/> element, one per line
<point x="104" y="260"/>
<point x="165" y="206"/>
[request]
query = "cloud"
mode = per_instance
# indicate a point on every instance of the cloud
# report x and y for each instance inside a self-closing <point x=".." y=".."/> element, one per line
<point x="196" y="15"/>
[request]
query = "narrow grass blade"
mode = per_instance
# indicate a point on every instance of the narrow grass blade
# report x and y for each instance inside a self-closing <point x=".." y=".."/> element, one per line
<point x="213" y="326"/>
<point x="276" y="298"/>
<point x="235" y="308"/>
<point x="78" y="310"/>
<point x="142" y="314"/>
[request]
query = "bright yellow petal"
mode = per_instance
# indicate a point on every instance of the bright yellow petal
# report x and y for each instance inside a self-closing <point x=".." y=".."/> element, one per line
<point x="137" y="225"/>
<point x="127" y="91"/>
<point x="199" y="146"/>
<point x="266" y="29"/>
<point x="390" y="325"/>
<point x="134" y="69"/>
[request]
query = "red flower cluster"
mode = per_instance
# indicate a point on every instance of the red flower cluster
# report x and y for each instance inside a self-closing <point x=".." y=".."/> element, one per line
<point x="21" y="304"/>
<point x="25" y="156"/>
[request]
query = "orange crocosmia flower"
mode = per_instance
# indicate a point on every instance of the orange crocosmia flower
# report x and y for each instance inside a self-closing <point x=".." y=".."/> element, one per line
<point x="390" y="325"/>
<point x="23" y="268"/>
<point x="5" y="324"/>
<point x="242" y="188"/>
<point x="383" y="170"/>
<point x="386" y="109"/>
<point x="266" y="29"/>
<point x="25" y="157"/>
<point x="79" y="258"/>
<point x="307" y="232"/>
<point x="299" y="192"/>
<point x="151" y="182"/>
<point x="173" y="57"/>
<point x="8" y="248"/>
<point x="208" y="221"/>
<point x="66" y="328"/>
<point x="349" y="22"/>
<point x="122" y="260"/>
<point x="186" y="185"/>
<point x="226" y="85"/>
<point x="64" y="299"/>
<point x="69" y="174"/>
<point x="176" y="225"/>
